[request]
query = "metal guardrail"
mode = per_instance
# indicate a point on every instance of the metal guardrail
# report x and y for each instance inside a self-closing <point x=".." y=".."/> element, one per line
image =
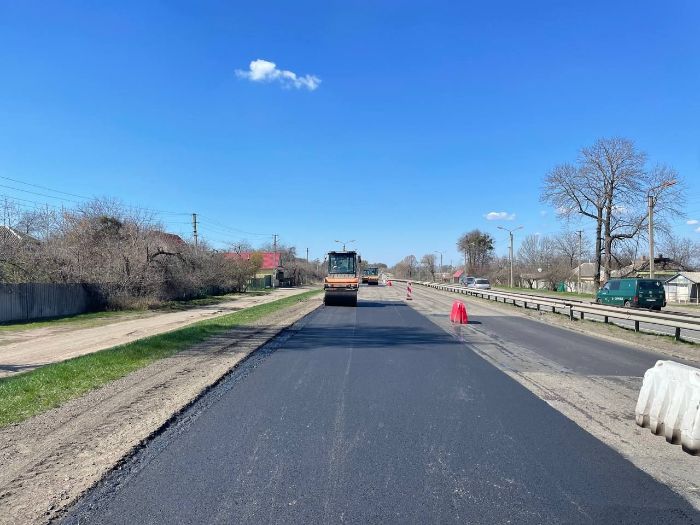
<point x="677" y="321"/>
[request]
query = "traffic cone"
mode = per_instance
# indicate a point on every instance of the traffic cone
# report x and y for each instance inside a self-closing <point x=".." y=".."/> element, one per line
<point x="409" y="292"/>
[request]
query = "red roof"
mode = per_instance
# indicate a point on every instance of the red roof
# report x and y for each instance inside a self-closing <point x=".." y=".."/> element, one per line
<point x="270" y="260"/>
<point x="458" y="273"/>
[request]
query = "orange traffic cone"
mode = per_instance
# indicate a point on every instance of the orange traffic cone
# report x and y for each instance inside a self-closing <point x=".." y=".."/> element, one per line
<point x="409" y="292"/>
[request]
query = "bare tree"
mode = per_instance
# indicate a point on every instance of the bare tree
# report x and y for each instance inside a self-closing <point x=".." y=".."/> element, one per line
<point x="428" y="262"/>
<point x="574" y="191"/>
<point x="610" y="184"/>
<point x="477" y="247"/>
<point x="567" y="246"/>
<point x="684" y="251"/>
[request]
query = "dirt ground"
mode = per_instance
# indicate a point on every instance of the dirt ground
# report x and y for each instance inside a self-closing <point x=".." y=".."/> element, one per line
<point x="24" y="350"/>
<point x="601" y="405"/>
<point x="49" y="460"/>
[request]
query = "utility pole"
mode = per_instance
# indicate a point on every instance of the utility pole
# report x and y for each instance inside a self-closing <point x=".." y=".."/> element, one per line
<point x="274" y="243"/>
<point x="440" y="263"/>
<point x="307" y="256"/>
<point x="194" y="229"/>
<point x="578" y="286"/>
<point x="510" y="232"/>
<point x="651" y="202"/>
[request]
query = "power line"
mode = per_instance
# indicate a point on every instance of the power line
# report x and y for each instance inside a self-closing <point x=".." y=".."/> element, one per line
<point x="235" y="229"/>
<point x="75" y="195"/>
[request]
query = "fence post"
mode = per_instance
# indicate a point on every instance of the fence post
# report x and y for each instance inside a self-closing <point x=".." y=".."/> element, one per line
<point x="677" y="335"/>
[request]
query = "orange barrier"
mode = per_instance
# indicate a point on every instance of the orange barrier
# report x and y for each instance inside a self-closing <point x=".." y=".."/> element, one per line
<point x="409" y="292"/>
<point x="458" y="314"/>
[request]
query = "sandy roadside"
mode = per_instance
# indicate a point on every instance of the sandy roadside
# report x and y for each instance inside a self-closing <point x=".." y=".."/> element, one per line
<point x="33" y="348"/>
<point x="49" y="460"/>
<point x="602" y="405"/>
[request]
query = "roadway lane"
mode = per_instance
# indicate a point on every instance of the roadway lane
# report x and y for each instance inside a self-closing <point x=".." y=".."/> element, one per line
<point x="375" y="414"/>
<point x="577" y="352"/>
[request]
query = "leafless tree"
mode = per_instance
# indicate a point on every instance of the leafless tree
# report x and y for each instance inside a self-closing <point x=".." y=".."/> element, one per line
<point x="477" y="247"/>
<point x="567" y="246"/>
<point x="428" y="262"/>
<point x="610" y="184"/>
<point x="683" y="250"/>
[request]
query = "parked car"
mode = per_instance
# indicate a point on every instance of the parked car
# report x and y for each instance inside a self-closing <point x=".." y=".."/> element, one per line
<point x="481" y="284"/>
<point x="637" y="293"/>
<point x="467" y="281"/>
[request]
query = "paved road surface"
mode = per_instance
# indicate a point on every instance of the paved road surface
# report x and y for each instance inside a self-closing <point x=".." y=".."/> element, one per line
<point x="376" y="415"/>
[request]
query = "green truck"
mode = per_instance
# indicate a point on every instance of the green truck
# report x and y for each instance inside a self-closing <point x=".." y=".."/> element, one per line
<point x="635" y="293"/>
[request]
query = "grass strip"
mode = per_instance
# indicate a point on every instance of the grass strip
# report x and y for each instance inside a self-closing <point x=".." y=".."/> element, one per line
<point x="25" y="395"/>
<point x="96" y="318"/>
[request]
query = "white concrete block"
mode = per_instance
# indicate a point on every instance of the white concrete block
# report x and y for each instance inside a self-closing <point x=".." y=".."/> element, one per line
<point x="669" y="403"/>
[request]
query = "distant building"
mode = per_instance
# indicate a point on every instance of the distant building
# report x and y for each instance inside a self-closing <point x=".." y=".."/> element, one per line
<point x="664" y="268"/>
<point x="457" y="276"/>
<point x="587" y="271"/>
<point x="11" y="236"/>
<point x="271" y="270"/>
<point x="683" y="288"/>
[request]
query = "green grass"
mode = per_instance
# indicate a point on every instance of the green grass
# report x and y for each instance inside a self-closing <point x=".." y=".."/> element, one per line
<point x="207" y="301"/>
<point x="30" y="393"/>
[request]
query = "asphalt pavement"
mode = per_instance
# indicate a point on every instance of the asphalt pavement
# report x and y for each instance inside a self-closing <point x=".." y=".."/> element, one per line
<point x="376" y="415"/>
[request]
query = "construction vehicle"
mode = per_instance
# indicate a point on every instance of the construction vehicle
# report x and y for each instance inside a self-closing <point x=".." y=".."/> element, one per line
<point x="370" y="276"/>
<point x="341" y="284"/>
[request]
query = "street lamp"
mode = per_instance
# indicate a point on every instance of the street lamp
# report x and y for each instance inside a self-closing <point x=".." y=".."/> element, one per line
<point x="651" y="202"/>
<point x="344" y="243"/>
<point x="510" y="232"/>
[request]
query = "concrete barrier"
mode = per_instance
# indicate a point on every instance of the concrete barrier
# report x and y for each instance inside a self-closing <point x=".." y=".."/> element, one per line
<point x="669" y="403"/>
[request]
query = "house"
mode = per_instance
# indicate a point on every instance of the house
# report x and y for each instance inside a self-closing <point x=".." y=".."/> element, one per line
<point x="587" y="271"/>
<point x="664" y="268"/>
<point x="457" y="276"/>
<point x="271" y="270"/>
<point x="168" y="241"/>
<point x="683" y="288"/>
<point x="12" y="237"/>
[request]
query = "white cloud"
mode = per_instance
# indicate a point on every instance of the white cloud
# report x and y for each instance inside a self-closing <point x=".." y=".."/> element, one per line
<point x="692" y="222"/>
<point x="266" y="71"/>
<point x="697" y="229"/>
<point x="499" y="216"/>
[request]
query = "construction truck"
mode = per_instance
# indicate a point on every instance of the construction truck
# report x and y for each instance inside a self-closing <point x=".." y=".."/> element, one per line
<point x="370" y="276"/>
<point x="341" y="284"/>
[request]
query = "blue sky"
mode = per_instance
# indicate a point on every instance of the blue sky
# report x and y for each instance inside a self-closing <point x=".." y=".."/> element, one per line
<point x="425" y="116"/>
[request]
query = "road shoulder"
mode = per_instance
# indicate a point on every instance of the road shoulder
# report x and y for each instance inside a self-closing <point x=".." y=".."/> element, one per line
<point x="51" y="459"/>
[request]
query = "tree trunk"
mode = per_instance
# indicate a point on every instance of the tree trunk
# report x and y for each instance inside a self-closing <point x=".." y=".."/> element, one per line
<point x="608" y="243"/>
<point x="598" y="233"/>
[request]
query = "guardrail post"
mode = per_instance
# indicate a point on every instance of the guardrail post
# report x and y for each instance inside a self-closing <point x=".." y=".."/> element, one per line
<point x="636" y="326"/>
<point x="605" y="319"/>
<point x="525" y="305"/>
<point x="571" y="313"/>
<point x="581" y="315"/>
<point x="677" y="335"/>
<point x="554" y="309"/>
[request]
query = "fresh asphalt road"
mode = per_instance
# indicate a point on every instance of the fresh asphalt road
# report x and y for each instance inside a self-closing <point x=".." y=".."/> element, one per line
<point x="375" y="415"/>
